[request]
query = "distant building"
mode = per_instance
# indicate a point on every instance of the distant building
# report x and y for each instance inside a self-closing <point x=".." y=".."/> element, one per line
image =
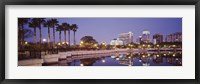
<point x="139" y="40"/>
<point x="126" y="37"/>
<point x="116" y="42"/>
<point x="157" y="38"/>
<point x="145" y="36"/>
<point x="175" y="37"/>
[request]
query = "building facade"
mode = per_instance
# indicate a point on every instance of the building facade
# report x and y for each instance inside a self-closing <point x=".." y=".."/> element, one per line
<point x="126" y="37"/>
<point x="175" y="37"/>
<point x="157" y="38"/>
<point x="116" y="42"/>
<point x="139" y="40"/>
<point x="145" y="36"/>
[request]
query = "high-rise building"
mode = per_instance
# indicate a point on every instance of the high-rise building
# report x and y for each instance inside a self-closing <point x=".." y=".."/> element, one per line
<point x="145" y="36"/>
<point x="126" y="37"/>
<point x="175" y="37"/>
<point x="157" y="38"/>
<point x="139" y="40"/>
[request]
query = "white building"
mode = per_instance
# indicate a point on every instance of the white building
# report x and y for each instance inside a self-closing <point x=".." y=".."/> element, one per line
<point x="145" y="36"/>
<point x="116" y="42"/>
<point x="126" y="37"/>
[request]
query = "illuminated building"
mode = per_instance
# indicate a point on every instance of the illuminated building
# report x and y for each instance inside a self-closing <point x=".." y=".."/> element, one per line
<point x="157" y="38"/>
<point x="145" y="36"/>
<point x="126" y="38"/>
<point x="175" y="37"/>
<point x="116" y="42"/>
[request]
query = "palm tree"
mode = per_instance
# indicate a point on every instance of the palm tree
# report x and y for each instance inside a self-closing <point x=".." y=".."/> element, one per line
<point x="68" y="29"/>
<point x="33" y="24"/>
<point x="59" y="28"/>
<point x="65" y="27"/>
<point x="21" y="23"/>
<point x="40" y="21"/>
<point x="48" y="24"/>
<point x="74" y="29"/>
<point x="54" y="23"/>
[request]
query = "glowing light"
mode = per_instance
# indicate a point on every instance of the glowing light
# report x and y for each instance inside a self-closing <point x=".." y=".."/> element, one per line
<point x="63" y="42"/>
<point x="117" y="58"/>
<point x="95" y="45"/>
<point x="157" y="45"/>
<point x="81" y="65"/>
<point x="81" y="42"/>
<point x="58" y="43"/>
<point x="164" y="54"/>
<point x="103" y="60"/>
<point x="157" y="55"/>
<point x="174" y="55"/>
<point x="26" y="42"/>
<point x="44" y="40"/>
<point x="148" y="54"/>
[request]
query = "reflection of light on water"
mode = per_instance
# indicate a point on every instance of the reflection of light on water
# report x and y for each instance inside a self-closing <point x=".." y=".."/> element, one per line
<point x="81" y="65"/>
<point x="112" y="56"/>
<point x="121" y="56"/>
<point x="117" y="58"/>
<point x="103" y="60"/>
<point x="145" y="64"/>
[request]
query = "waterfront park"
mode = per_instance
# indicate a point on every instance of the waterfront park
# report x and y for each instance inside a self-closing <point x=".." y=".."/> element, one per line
<point x="62" y="47"/>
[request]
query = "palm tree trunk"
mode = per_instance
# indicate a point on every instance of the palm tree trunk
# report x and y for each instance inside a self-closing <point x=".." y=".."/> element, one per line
<point x="40" y="36"/>
<point x="65" y="35"/>
<point x="60" y="36"/>
<point x="35" y="36"/>
<point x="53" y="36"/>
<point x="22" y="36"/>
<point x="69" y="37"/>
<point x="48" y="37"/>
<point x="74" y="39"/>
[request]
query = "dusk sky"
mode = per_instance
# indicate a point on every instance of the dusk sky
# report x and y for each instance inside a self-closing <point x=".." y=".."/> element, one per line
<point x="106" y="29"/>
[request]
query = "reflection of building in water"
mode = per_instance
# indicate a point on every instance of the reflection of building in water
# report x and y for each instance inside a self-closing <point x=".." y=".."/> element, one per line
<point x="157" y="38"/>
<point x="157" y="59"/>
<point x="116" y="42"/>
<point x="126" y="37"/>
<point x="145" y="61"/>
<point x="145" y="36"/>
<point x="175" y="61"/>
<point x="126" y="62"/>
<point x="175" y="37"/>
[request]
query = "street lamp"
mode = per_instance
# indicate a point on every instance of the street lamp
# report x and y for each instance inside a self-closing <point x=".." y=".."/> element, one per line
<point x="44" y="40"/>
<point x="26" y="42"/>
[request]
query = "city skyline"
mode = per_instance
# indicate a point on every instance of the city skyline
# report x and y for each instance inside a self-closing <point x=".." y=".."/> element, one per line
<point x="110" y="28"/>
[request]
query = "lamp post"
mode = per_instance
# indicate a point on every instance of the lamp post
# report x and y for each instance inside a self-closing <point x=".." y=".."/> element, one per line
<point x="44" y="41"/>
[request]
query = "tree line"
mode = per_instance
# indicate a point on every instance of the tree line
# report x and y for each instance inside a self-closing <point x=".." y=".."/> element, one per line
<point x="40" y="23"/>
